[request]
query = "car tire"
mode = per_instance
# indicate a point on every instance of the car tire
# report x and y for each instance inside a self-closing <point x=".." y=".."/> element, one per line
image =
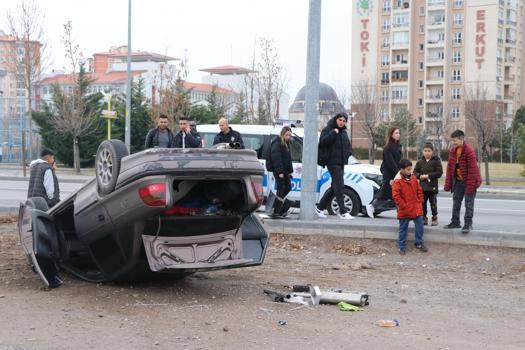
<point x="37" y="203"/>
<point x="107" y="165"/>
<point x="350" y="198"/>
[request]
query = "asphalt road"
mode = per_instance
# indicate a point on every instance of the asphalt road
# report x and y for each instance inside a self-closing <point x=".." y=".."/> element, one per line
<point x="490" y="214"/>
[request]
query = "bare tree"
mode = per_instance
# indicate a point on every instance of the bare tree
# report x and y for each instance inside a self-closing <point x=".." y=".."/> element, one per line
<point x="26" y="26"/>
<point x="270" y="81"/>
<point x="74" y="111"/>
<point x="366" y="103"/>
<point x="480" y="114"/>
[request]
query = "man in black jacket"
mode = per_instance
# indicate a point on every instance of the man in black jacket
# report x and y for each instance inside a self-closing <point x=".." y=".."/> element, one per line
<point x="335" y="143"/>
<point x="227" y="134"/>
<point x="43" y="181"/>
<point x="187" y="137"/>
<point x="161" y="136"/>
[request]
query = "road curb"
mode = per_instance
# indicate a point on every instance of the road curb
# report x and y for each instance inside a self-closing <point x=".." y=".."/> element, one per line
<point x="432" y="234"/>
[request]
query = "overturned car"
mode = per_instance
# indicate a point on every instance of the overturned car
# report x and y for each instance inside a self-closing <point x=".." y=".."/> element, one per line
<point x="159" y="213"/>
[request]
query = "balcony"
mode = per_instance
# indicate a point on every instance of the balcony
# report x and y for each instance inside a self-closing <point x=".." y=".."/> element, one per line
<point x="510" y="60"/>
<point x="435" y="43"/>
<point x="399" y="79"/>
<point x="434" y="97"/>
<point x="399" y="100"/>
<point x="510" y="78"/>
<point x="435" y="3"/>
<point x="385" y="81"/>
<point x="434" y="61"/>
<point x="402" y="5"/>
<point x="510" y="41"/>
<point x="434" y="116"/>
<point x="511" y="23"/>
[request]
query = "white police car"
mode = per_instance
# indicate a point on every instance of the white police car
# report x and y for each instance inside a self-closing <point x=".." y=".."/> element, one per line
<point x="361" y="180"/>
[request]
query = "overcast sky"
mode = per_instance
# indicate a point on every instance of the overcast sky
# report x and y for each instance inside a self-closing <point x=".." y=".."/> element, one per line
<point x="213" y="32"/>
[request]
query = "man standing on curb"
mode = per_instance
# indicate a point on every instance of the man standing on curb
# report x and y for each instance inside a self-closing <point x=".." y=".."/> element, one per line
<point x="161" y="136"/>
<point x="187" y="137"/>
<point x="463" y="179"/>
<point x="43" y="181"/>
<point x="227" y="134"/>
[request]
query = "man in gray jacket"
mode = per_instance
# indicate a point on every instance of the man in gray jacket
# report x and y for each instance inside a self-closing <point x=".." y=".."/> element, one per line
<point x="43" y="181"/>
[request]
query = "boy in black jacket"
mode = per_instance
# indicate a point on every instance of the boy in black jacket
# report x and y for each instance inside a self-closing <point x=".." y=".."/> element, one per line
<point x="428" y="170"/>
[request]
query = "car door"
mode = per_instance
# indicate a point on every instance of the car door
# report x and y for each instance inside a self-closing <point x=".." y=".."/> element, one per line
<point x="38" y="238"/>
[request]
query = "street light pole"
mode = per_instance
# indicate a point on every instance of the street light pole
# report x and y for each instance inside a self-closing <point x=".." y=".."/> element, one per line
<point x="309" y="177"/>
<point x="127" y="133"/>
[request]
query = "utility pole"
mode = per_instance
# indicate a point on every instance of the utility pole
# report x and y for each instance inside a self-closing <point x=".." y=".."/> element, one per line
<point x="127" y="133"/>
<point x="309" y="178"/>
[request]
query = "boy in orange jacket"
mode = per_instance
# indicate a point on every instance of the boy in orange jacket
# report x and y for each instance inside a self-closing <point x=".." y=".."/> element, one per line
<point x="408" y="195"/>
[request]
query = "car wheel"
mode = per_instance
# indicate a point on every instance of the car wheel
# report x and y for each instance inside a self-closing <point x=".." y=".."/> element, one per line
<point x="107" y="164"/>
<point x="352" y="203"/>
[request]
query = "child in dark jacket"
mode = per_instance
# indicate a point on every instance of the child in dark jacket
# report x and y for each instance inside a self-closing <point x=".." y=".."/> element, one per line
<point x="408" y="195"/>
<point x="428" y="170"/>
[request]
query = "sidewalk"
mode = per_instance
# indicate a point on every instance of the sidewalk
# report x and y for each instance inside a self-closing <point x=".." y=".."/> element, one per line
<point x="9" y="171"/>
<point x="366" y="229"/>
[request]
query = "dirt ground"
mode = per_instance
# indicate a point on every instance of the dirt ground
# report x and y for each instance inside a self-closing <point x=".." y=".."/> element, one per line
<point x="454" y="297"/>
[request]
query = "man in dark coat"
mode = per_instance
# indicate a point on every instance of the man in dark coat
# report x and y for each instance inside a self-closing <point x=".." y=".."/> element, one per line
<point x="335" y="143"/>
<point x="428" y="170"/>
<point x="43" y="181"/>
<point x="227" y="134"/>
<point x="463" y="179"/>
<point x="161" y="136"/>
<point x="187" y="137"/>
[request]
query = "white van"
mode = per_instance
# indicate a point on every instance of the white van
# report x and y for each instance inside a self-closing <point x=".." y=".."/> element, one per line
<point x="361" y="180"/>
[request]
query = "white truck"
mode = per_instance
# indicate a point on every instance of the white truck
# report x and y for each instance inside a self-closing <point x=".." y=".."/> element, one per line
<point x="361" y="180"/>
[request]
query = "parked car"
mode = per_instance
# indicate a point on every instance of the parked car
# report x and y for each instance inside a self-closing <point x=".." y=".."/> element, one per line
<point x="159" y="213"/>
<point x="361" y="180"/>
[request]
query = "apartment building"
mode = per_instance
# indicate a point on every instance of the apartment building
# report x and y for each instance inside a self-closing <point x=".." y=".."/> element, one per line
<point x="427" y="56"/>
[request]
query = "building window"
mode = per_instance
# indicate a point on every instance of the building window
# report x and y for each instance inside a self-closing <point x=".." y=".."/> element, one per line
<point x="458" y="3"/>
<point x="455" y="94"/>
<point x="457" y="37"/>
<point x="421" y="29"/>
<point x="384" y="95"/>
<point x="420" y="120"/>
<point x="455" y="113"/>
<point x="458" y="19"/>
<point x="385" y="60"/>
<point x="386" y="6"/>
<point x="420" y="102"/>
<point x="420" y="84"/>
<point x="386" y="24"/>
<point x="440" y="74"/>
<point x="386" y="42"/>
<point x="385" y="78"/>
<point x="421" y="65"/>
<point x="456" y="75"/>
<point x="457" y="57"/>
<point x="421" y="47"/>
<point x="422" y="11"/>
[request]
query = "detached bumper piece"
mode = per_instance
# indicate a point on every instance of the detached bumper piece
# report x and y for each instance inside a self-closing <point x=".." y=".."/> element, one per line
<point x="223" y="249"/>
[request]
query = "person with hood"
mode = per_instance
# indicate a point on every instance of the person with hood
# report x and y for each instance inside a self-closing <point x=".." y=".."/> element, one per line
<point x="161" y="136"/>
<point x="187" y="137"/>
<point x="408" y="196"/>
<point x="463" y="179"/>
<point x="43" y="181"/>
<point x="281" y="160"/>
<point x="428" y="170"/>
<point x="335" y="147"/>
<point x="392" y="154"/>
<point x="227" y="134"/>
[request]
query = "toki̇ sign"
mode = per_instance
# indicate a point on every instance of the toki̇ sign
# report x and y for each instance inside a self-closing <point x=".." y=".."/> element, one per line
<point x="480" y="38"/>
<point x="364" y="8"/>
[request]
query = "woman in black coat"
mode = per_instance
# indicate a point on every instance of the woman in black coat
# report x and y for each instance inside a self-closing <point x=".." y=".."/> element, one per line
<point x="392" y="154"/>
<point x="281" y="159"/>
<point x="335" y="147"/>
